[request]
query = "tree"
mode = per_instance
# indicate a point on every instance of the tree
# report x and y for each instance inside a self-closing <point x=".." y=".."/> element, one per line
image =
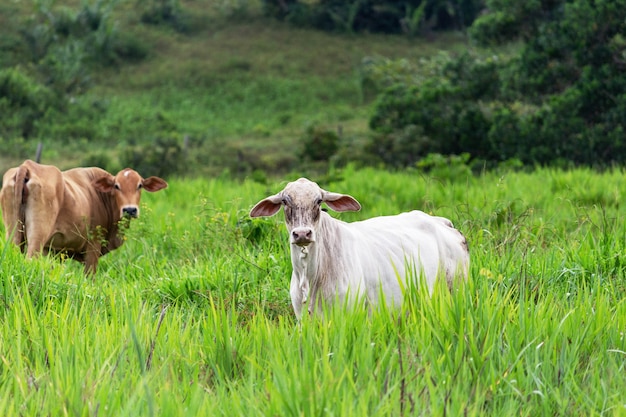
<point x="562" y="98"/>
<point x="383" y="16"/>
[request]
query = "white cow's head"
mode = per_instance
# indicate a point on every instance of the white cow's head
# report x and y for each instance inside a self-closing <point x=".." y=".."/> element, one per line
<point x="302" y="200"/>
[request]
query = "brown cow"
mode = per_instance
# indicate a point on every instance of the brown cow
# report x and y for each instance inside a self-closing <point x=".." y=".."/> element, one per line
<point x="75" y="212"/>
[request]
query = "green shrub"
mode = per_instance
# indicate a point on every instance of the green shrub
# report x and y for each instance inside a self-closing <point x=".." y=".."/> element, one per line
<point x="22" y="91"/>
<point x="560" y="101"/>
<point x="318" y="144"/>
<point x="378" y="73"/>
<point x="441" y="114"/>
<point x="23" y="102"/>
<point x="410" y="17"/>
<point x="65" y="43"/>
<point x="163" y="157"/>
<point x="570" y="70"/>
<point x="449" y="168"/>
<point x="494" y="28"/>
<point x="100" y="159"/>
<point x="130" y="48"/>
<point x="258" y="231"/>
<point x="74" y="120"/>
<point x="279" y="9"/>
<point x="90" y="28"/>
<point x="401" y="147"/>
<point x="64" y="68"/>
<point x="507" y="20"/>
<point x="17" y="148"/>
<point x="165" y="12"/>
<point x="504" y="134"/>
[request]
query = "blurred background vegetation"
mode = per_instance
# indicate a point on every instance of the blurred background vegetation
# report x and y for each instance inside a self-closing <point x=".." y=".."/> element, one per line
<point x="251" y="87"/>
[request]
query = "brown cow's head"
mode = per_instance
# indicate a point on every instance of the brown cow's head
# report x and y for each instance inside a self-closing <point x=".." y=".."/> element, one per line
<point x="302" y="200"/>
<point x="126" y="188"/>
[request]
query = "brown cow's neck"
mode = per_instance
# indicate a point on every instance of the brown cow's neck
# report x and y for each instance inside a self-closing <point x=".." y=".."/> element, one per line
<point x="111" y="224"/>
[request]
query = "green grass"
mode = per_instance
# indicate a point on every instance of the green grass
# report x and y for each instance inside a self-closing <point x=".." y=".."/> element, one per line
<point x="192" y="315"/>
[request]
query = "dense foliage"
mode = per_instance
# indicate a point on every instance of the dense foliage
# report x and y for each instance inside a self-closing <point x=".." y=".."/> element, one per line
<point x="51" y="65"/>
<point x="411" y="17"/>
<point x="562" y="99"/>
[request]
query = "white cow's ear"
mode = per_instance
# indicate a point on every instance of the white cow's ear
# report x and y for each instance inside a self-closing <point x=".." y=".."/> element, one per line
<point x="267" y="207"/>
<point x="341" y="202"/>
<point x="104" y="184"/>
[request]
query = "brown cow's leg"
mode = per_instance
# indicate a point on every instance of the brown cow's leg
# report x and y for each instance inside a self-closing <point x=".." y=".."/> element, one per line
<point x="10" y="209"/>
<point x="93" y="252"/>
<point x="91" y="264"/>
<point x="42" y="209"/>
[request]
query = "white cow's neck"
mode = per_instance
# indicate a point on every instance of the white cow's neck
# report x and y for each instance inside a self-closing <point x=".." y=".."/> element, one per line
<point x="317" y="265"/>
<point x="303" y="266"/>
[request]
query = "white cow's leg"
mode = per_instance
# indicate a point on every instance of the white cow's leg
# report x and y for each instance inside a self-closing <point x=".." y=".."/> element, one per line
<point x="297" y="299"/>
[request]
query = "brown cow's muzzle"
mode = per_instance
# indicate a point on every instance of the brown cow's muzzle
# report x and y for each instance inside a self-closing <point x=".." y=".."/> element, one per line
<point x="130" y="211"/>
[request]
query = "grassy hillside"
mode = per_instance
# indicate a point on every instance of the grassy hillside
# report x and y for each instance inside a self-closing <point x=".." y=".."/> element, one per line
<point x="192" y="315"/>
<point x="241" y="88"/>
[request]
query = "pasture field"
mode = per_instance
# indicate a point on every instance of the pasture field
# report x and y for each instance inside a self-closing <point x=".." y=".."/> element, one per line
<point x="192" y="315"/>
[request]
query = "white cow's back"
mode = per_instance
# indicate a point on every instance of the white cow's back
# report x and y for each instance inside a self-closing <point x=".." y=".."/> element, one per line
<point x="378" y="253"/>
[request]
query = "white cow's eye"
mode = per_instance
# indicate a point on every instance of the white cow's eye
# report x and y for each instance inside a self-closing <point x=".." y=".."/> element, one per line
<point x="319" y="201"/>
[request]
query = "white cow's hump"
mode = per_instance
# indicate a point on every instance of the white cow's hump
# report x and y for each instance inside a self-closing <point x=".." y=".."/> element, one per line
<point x="415" y="219"/>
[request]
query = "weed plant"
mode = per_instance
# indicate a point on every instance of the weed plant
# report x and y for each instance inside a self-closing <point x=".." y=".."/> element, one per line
<point x="192" y="316"/>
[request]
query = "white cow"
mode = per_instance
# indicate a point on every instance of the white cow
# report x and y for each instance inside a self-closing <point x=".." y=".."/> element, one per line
<point x="334" y="259"/>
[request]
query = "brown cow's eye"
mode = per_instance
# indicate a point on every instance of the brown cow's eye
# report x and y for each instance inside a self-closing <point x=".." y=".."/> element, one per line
<point x="117" y="186"/>
<point x="140" y="186"/>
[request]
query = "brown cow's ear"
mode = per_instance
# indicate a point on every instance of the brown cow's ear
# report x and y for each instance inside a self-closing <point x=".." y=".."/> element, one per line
<point x="267" y="207"/>
<point x="104" y="184"/>
<point x="153" y="184"/>
<point x="341" y="202"/>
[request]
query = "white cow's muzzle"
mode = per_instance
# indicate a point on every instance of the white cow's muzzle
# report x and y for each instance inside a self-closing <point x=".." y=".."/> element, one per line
<point x="302" y="236"/>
